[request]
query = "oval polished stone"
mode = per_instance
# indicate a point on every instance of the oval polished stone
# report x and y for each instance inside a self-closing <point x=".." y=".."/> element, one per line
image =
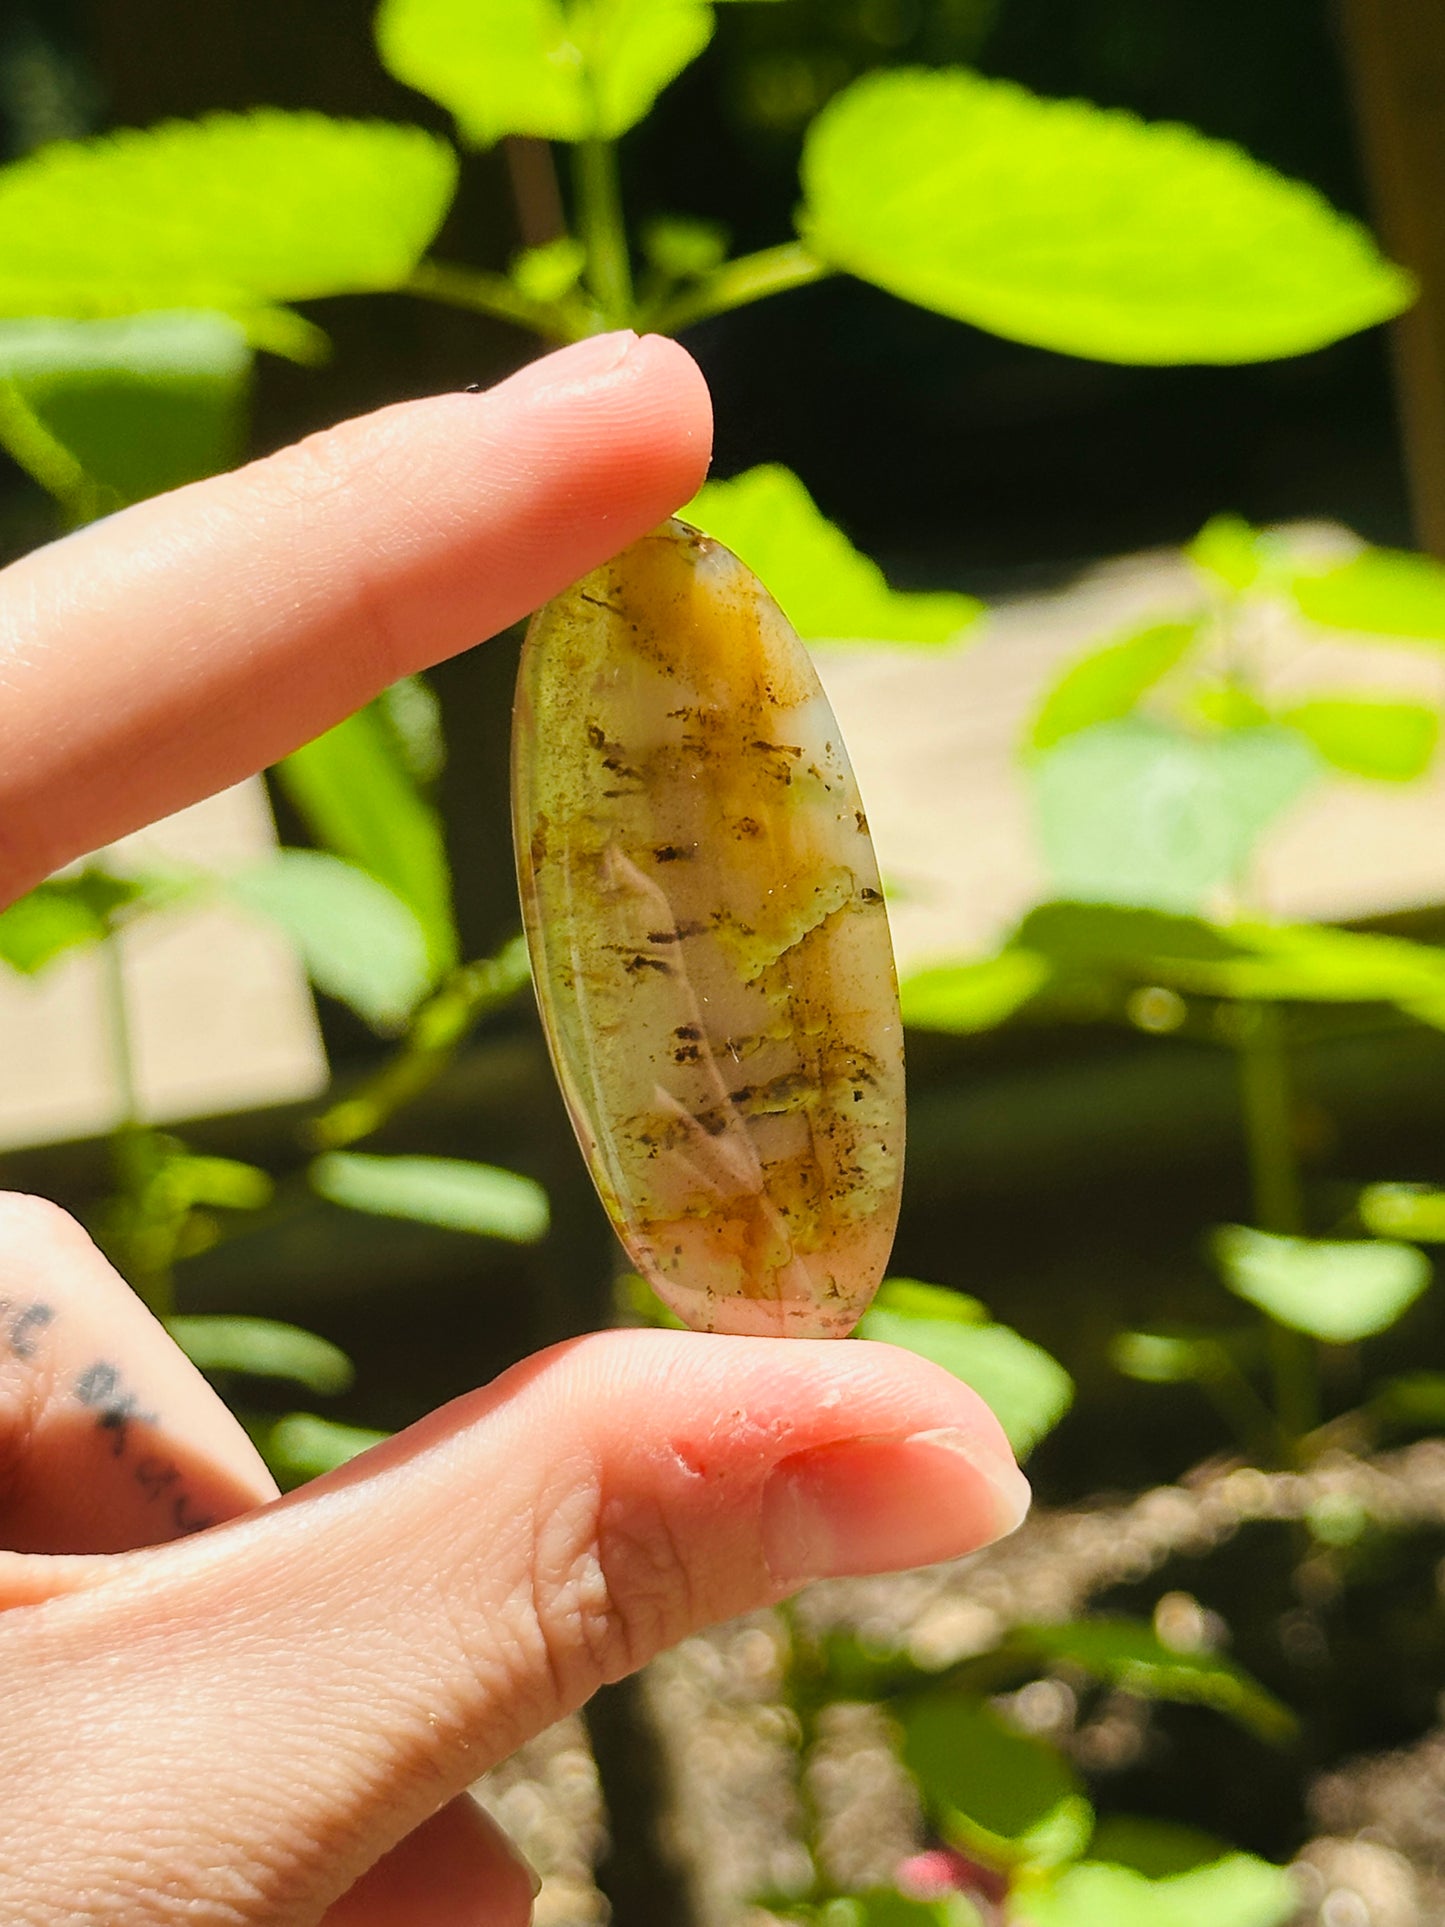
<point x="709" y="941"/>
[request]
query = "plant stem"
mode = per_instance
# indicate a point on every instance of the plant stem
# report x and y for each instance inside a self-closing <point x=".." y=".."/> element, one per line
<point x="1265" y="1090"/>
<point x="751" y="277"/>
<point x="494" y="294"/>
<point x="603" y="231"/>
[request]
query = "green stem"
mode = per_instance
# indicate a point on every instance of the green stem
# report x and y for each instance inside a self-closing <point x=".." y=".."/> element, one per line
<point x="751" y="277"/>
<point x="30" y="444"/>
<point x="1267" y="1098"/>
<point x="494" y="294"/>
<point x="603" y="231"/>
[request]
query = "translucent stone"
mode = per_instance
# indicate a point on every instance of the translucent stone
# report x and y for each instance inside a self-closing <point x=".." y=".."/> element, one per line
<point x="709" y="940"/>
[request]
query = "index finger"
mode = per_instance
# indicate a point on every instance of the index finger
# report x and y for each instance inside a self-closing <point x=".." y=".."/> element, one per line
<point x="174" y="648"/>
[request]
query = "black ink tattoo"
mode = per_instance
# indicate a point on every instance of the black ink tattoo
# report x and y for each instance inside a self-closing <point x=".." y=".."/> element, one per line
<point x="22" y="1322"/>
<point x="100" y="1387"/>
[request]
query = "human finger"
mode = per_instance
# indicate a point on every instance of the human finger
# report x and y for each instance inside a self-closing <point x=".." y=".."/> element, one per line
<point x="457" y="1869"/>
<point x="177" y="646"/>
<point x="399" y="1627"/>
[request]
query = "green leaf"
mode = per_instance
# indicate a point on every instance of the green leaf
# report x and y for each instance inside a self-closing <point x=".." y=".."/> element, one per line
<point x="1415" y="1401"/>
<point x="302" y="1446"/>
<point x="1165" y="1358"/>
<point x="234" y="212"/>
<point x="1339" y="1292"/>
<point x="143" y="403"/>
<point x="264" y="1349"/>
<point x="992" y="1790"/>
<point x="1027" y="1391"/>
<point x="564" y="69"/>
<point x="1383" y="592"/>
<point x="911" y="1298"/>
<point x="684" y="248"/>
<point x="1389" y="742"/>
<point x="1155" y="1848"/>
<point x="1130" y="1654"/>
<point x="358" y="940"/>
<point x="223" y="1183"/>
<point x="1109" y="683"/>
<point x="1136" y="812"/>
<point x="67" y="913"/>
<point x="1078" y="229"/>
<point x="884" y="1907"/>
<point x="1235" y="1891"/>
<point x="1413" y="1211"/>
<point x="827" y="590"/>
<point x="1228" y="549"/>
<point x="547" y="273"/>
<point x="357" y="797"/>
<point x="460" y="1196"/>
<point x="412" y="715"/>
<point x="970" y="997"/>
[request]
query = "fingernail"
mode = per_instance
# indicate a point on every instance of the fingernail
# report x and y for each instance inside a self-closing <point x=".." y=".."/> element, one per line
<point x="884" y="1505"/>
<point x="576" y="365"/>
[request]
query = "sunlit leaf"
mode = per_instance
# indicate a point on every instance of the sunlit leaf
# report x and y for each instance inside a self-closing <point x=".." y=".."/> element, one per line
<point x="1391" y="742"/>
<point x="991" y="1789"/>
<point x="1130" y="1654"/>
<point x="1165" y="1358"/>
<point x="302" y="1446"/>
<point x="1336" y="1291"/>
<point x="1027" y="1391"/>
<point x="67" y="913"/>
<point x="1235" y="1891"/>
<point x="1137" y="812"/>
<point x="357" y="796"/>
<point x="1413" y="1211"/>
<point x="235" y="212"/>
<point x="451" y="1192"/>
<point x="222" y="1183"/>
<point x="1228" y="549"/>
<point x="143" y="403"/>
<point x="551" y="271"/>
<point x="1382" y="592"/>
<point x="1080" y="229"/>
<point x="1111" y="681"/>
<point x="911" y="1298"/>
<point x="825" y="587"/>
<point x="263" y="1348"/>
<point x="969" y="997"/>
<point x="563" y="69"/>
<point x="413" y="719"/>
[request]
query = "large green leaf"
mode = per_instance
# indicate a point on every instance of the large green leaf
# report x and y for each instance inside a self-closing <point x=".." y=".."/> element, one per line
<point x="1060" y="224"/>
<point x="825" y="587"/>
<point x="235" y="212"/>
<point x="143" y="403"/>
<point x="358" y="797"/>
<point x="969" y="997"/>
<point x="478" y="1198"/>
<point x="990" y="1789"/>
<point x="1235" y="1891"/>
<point x="263" y="1348"/>
<point x="1336" y="1291"/>
<point x="358" y="940"/>
<point x="67" y="913"/>
<point x="563" y="69"/>
<point x="1389" y="742"/>
<point x="1109" y="683"/>
<point x="1138" y="812"/>
<point x="1130" y="1654"/>
<point x="1382" y="592"/>
<point x="1027" y="1391"/>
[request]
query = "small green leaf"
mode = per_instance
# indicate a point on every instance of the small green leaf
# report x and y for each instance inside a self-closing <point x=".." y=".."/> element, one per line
<point x="1415" y="1401"/>
<point x="143" y="403"/>
<point x="221" y="1183"/>
<point x="551" y="271"/>
<point x="413" y="719"/>
<point x="911" y="1298"/>
<point x="1164" y="1358"/>
<point x="358" y="798"/>
<point x="1027" y="1391"/>
<point x="1383" y="592"/>
<point x="264" y="1349"/>
<point x="1078" y="229"/>
<point x="992" y="1790"/>
<point x="684" y="248"/>
<point x="1110" y="683"/>
<point x="460" y="1196"/>
<point x="1130" y="1654"/>
<point x="563" y="69"/>
<point x="884" y="1907"/>
<point x="825" y="587"/>
<point x="970" y="997"/>
<point x="302" y="1446"/>
<point x="1339" y="1292"/>
<point x="234" y="212"/>
<point x="358" y="940"/>
<point x="1413" y="1211"/>
<point x="1227" y="548"/>
<point x="1137" y="812"/>
<point x="1235" y="1891"/>
<point x="67" y="913"/>
<point x="1389" y="742"/>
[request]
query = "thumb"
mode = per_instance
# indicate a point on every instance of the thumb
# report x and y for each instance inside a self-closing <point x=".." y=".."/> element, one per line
<point x="335" y="1668"/>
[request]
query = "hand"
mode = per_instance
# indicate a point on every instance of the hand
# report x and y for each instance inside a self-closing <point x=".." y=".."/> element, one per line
<point x="228" y="1708"/>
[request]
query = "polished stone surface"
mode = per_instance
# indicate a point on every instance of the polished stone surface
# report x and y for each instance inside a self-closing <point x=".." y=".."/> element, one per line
<point x="709" y="940"/>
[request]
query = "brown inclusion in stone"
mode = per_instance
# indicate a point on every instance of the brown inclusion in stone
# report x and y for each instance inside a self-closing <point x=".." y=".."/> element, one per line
<point x="709" y="940"/>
